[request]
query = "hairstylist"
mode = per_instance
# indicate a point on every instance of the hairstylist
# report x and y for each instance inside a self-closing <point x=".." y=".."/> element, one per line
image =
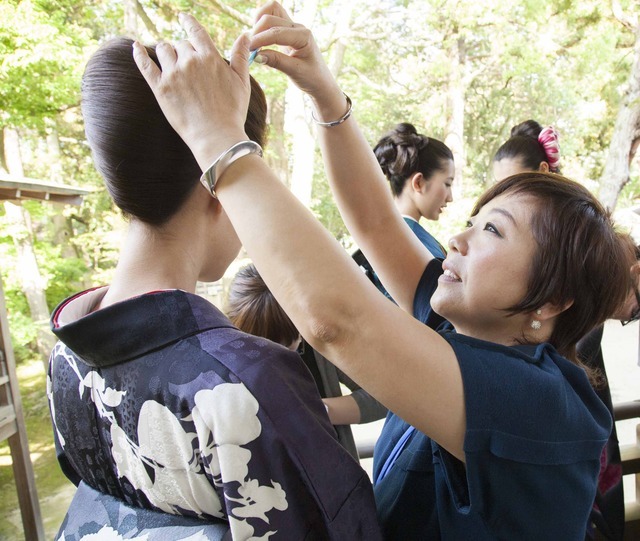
<point x="472" y="397"/>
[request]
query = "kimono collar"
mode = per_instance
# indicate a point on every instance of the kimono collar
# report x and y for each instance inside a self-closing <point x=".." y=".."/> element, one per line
<point x="131" y="328"/>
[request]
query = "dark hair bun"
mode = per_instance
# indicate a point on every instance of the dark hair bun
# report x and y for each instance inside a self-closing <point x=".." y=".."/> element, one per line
<point x="403" y="151"/>
<point x="528" y="128"/>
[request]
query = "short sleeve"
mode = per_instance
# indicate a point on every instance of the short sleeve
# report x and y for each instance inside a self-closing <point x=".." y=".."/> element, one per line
<point x="535" y="431"/>
<point x="422" y="300"/>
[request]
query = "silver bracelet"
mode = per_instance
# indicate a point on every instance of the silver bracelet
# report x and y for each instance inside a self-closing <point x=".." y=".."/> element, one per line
<point x="340" y="120"/>
<point x="211" y="175"/>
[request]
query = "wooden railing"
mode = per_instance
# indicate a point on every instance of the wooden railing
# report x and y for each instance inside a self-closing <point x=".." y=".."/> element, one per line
<point x="630" y="454"/>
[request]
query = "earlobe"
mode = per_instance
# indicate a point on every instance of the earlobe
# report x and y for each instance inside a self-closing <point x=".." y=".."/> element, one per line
<point x="549" y="310"/>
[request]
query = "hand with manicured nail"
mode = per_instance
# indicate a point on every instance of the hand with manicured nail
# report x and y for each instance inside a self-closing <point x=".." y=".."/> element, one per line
<point x="204" y="98"/>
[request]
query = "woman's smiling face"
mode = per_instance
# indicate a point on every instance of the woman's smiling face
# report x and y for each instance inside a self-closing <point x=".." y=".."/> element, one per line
<point x="487" y="271"/>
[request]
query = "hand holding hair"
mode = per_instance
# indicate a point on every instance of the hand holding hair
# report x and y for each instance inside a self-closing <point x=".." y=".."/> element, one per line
<point x="197" y="89"/>
<point x="301" y="59"/>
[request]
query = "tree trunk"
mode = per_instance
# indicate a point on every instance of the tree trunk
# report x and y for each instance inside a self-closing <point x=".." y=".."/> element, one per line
<point x="297" y="119"/>
<point x="455" y="112"/>
<point x="131" y="18"/>
<point x="278" y="155"/>
<point x="61" y="232"/>
<point x="621" y="149"/>
<point x="303" y="145"/>
<point x="3" y="162"/>
<point x="297" y="124"/>
<point x="54" y="154"/>
<point x="31" y="280"/>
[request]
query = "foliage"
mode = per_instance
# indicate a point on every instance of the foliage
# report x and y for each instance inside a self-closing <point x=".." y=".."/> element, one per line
<point x="54" y="489"/>
<point x="561" y="62"/>
<point x="41" y="61"/>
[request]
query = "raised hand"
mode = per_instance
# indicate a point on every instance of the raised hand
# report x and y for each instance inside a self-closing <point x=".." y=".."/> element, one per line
<point x="204" y="99"/>
<point x="300" y="59"/>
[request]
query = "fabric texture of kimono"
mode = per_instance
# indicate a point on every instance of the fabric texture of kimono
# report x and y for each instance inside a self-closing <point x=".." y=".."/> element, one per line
<point x="159" y="403"/>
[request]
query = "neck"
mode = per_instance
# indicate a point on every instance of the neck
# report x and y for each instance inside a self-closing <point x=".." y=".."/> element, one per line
<point x="515" y="334"/>
<point x="406" y="207"/>
<point x="152" y="260"/>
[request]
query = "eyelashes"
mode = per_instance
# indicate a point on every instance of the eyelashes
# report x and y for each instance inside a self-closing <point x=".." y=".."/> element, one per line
<point x="490" y="227"/>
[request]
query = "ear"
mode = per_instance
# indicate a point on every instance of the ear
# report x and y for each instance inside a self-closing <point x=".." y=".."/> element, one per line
<point x="544" y="167"/>
<point x="549" y="311"/>
<point x="416" y="181"/>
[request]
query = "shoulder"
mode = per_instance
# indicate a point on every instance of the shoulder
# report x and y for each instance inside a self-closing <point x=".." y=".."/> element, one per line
<point x="531" y="393"/>
<point x="426" y="238"/>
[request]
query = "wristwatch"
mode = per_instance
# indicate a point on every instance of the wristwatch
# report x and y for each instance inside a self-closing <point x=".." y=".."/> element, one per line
<point x="210" y="177"/>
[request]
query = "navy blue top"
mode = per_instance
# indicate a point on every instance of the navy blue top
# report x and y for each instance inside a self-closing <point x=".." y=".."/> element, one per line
<point x="535" y="431"/>
<point x="426" y="238"/>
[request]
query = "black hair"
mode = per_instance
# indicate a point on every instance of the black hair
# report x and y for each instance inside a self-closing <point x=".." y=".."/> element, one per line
<point x="581" y="258"/>
<point x="523" y="145"/>
<point x="147" y="168"/>
<point x="403" y="151"/>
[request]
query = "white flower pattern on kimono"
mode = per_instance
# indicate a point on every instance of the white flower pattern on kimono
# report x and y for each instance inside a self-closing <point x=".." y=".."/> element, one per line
<point x="225" y="419"/>
<point x="99" y="392"/>
<point x="229" y="412"/>
<point x="168" y="449"/>
<point x="243" y="530"/>
<point x="258" y="500"/>
<point x="52" y="407"/>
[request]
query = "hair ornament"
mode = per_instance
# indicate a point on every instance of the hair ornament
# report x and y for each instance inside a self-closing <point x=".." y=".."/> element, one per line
<point x="548" y="138"/>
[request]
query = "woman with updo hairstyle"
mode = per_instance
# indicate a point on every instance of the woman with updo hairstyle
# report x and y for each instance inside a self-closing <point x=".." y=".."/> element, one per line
<point x="148" y="182"/>
<point x="173" y="423"/>
<point x="420" y="172"/>
<point x="530" y="147"/>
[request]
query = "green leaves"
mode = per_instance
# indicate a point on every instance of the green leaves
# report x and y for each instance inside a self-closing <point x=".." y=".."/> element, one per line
<point x="41" y="63"/>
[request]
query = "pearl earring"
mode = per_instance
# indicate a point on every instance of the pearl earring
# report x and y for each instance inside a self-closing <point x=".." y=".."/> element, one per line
<point x="535" y="324"/>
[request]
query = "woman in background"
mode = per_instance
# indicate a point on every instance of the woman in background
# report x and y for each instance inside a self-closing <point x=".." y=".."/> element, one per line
<point x="420" y="172"/>
<point x="530" y="147"/>
<point x="253" y="309"/>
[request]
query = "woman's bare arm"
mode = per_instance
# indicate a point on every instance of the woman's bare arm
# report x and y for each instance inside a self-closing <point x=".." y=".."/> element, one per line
<point x="357" y="182"/>
<point x="404" y="364"/>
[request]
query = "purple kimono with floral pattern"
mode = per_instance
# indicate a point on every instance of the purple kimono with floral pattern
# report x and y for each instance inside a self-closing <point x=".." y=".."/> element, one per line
<point x="160" y="404"/>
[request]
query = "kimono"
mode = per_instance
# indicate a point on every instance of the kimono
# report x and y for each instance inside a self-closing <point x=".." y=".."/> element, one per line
<point x="170" y="419"/>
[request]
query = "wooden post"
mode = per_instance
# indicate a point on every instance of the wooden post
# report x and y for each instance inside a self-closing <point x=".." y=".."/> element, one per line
<point x="12" y="428"/>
